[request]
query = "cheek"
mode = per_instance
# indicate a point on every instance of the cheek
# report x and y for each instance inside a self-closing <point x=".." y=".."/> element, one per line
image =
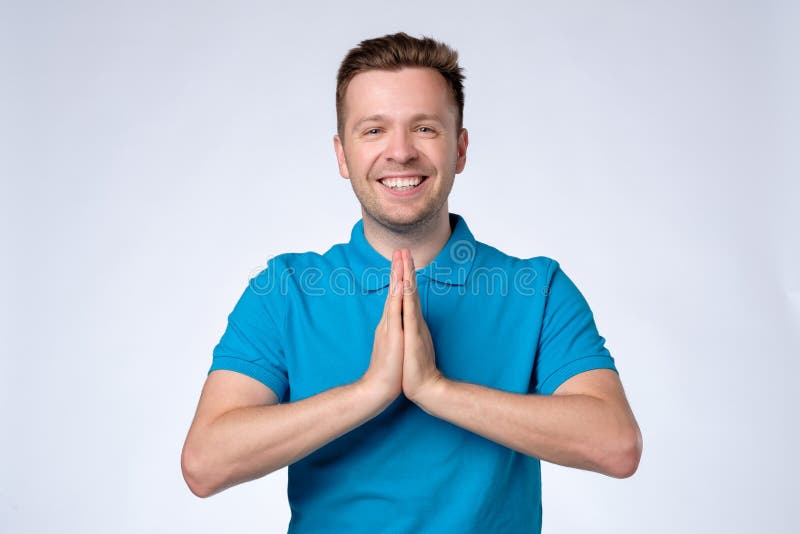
<point x="369" y="158"/>
<point x="447" y="155"/>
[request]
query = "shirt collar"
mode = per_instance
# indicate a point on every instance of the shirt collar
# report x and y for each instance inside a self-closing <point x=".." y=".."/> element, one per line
<point x="450" y="266"/>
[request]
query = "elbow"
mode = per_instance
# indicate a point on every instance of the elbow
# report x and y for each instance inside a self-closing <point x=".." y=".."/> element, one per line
<point x="194" y="473"/>
<point x="627" y="451"/>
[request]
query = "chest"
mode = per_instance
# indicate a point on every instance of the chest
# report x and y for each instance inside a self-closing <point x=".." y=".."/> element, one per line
<point x="486" y="339"/>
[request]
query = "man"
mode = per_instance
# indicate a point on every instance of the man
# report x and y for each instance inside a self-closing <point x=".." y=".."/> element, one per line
<point x="413" y="377"/>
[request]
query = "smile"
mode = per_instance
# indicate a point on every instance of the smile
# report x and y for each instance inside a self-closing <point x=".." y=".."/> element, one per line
<point x="405" y="183"/>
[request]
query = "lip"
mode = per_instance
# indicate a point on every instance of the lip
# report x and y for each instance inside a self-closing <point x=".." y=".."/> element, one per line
<point x="410" y="192"/>
<point x="405" y="175"/>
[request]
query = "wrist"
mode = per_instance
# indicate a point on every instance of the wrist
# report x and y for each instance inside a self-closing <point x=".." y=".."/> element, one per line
<point x="374" y="393"/>
<point x="434" y="390"/>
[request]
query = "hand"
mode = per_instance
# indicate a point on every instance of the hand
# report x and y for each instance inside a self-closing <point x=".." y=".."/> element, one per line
<point x="386" y="363"/>
<point x="419" y="360"/>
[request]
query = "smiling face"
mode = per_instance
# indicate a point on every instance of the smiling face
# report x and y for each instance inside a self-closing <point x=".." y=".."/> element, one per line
<point x="400" y="147"/>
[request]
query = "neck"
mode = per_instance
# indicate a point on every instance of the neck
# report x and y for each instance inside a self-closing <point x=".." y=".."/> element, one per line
<point x="424" y="241"/>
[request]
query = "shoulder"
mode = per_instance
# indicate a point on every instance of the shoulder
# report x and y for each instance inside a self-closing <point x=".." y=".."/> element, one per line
<point x="292" y="264"/>
<point x="489" y="257"/>
<point x="495" y="272"/>
<point x="290" y="273"/>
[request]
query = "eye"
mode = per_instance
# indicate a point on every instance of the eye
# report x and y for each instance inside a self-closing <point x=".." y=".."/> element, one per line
<point x="372" y="131"/>
<point x="427" y="130"/>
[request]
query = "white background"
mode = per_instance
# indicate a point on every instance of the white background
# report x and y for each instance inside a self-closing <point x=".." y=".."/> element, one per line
<point x="153" y="156"/>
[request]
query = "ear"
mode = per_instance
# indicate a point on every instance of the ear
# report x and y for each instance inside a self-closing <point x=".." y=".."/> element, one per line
<point x="337" y="146"/>
<point x="461" y="144"/>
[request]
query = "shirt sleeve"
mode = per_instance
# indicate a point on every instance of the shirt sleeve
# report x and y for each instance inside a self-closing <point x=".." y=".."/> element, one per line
<point x="253" y="340"/>
<point x="569" y="343"/>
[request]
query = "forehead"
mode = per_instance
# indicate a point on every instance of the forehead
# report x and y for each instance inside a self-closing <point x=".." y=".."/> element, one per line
<point x="410" y="90"/>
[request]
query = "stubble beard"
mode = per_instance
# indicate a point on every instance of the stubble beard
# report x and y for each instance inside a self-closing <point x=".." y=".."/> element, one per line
<point x="428" y="214"/>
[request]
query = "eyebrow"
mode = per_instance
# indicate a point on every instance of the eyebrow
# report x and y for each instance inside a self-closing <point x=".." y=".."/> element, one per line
<point x="379" y="117"/>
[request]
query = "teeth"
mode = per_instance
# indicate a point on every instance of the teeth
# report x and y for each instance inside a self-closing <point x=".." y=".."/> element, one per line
<point x="396" y="183"/>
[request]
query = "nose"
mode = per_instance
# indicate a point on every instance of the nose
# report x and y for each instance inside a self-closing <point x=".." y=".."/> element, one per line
<point x="400" y="147"/>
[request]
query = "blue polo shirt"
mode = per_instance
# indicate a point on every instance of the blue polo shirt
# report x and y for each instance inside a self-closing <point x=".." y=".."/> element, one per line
<point x="306" y="323"/>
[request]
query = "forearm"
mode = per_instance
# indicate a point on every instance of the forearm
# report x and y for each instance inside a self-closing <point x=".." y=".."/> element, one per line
<point x="573" y="430"/>
<point x="248" y="443"/>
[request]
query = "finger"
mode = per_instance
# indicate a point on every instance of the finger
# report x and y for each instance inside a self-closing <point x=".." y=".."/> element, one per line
<point x="396" y="293"/>
<point x="391" y="285"/>
<point x="410" y="295"/>
<point x="393" y="277"/>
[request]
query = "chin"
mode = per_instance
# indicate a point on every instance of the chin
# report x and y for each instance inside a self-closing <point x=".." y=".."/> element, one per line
<point x="407" y="221"/>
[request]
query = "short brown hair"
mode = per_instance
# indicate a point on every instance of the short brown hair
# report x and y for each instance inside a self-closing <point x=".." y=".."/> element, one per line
<point x="393" y="52"/>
